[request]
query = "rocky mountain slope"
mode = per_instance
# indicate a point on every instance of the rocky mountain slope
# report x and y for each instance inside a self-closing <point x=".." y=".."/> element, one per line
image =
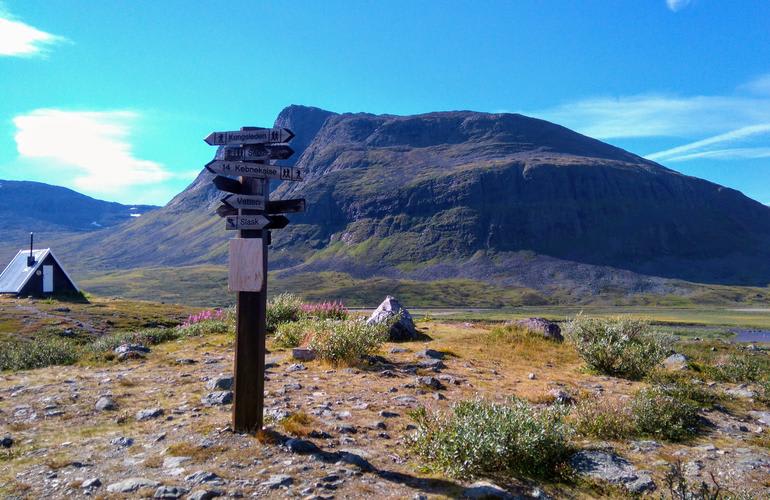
<point x="52" y="212"/>
<point x="498" y="197"/>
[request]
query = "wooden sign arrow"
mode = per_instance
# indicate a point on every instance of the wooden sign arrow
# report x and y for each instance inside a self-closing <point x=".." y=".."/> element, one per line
<point x="235" y="222"/>
<point x="227" y="184"/>
<point x="255" y="152"/>
<point x="242" y="168"/>
<point x="253" y="135"/>
<point x="248" y="202"/>
<point x="286" y="206"/>
<point x="226" y="211"/>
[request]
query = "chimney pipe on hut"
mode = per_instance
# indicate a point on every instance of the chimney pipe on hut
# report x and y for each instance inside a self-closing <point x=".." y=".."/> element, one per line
<point x="31" y="258"/>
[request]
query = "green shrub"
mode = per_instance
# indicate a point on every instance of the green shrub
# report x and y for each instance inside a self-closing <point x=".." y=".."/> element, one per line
<point x="151" y="336"/>
<point x="208" y="327"/>
<point x="622" y="347"/>
<point x="37" y="353"/>
<point x="283" y="308"/>
<point x="662" y="414"/>
<point x="743" y="368"/>
<point x="602" y="418"/>
<point x="681" y="385"/>
<point x="345" y="342"/>
<point x="293" y="334"/>
<point x="480" y="438"/>
<point x="325" y="310"/>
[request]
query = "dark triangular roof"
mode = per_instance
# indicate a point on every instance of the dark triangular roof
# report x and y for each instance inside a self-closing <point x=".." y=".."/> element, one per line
<point x="17" y="273"/>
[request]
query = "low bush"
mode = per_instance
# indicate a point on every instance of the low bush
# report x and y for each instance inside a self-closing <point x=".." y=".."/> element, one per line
<point x="657" y="412"/>
<point x="621" y="347"/>
<point x="682" y="385"/>
<point x="346" y="342"/>
<point x="37" y="353"/>
<point x="283" y="308"/>
<point x="602" y="418"/>
<point x="293" y="334"/>
<point x="740" y="368"/>
<point x="325" y="310"/>
<point x="480" y="438"/>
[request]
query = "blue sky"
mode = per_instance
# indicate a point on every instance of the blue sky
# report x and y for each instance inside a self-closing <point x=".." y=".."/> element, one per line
<point x="113" y="98"/>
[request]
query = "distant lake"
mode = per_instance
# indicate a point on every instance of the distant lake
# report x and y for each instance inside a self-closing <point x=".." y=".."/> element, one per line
<point x="745" y="335"/>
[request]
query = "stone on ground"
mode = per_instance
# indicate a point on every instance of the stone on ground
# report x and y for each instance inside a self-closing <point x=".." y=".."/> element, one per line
<point x="149" y="414"/>
<point x="218" y="398"/>
<point x="403" y="329"/>
<point x="485" y="490"/>
<point x="170" y="492"/>
<point x="106" y="403"/>
<point x="675" y="362"/>
<point x="612" y="468"/>
<point x="132" y="484"/>
<point x="303" y="354"/>
<point x="548" y="329"/>
<point x="220" y="383"/>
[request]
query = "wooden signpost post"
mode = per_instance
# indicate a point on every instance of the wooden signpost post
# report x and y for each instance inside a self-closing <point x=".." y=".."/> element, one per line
<point x="248" y="209"/>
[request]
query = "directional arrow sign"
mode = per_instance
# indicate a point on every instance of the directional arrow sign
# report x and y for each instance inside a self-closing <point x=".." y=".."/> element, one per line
<point x="227" y="184"/>
<point x="235" y="222"/>
<point x="254" y="170"/>
<point x="255" y="152"/>
<point x="253" y="135"/>
<point x="226" y="211"/>
<point x="286" y="206"/>
<point x="249" y="202"/>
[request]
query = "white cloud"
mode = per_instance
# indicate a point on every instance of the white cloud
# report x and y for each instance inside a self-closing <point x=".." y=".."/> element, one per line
<point x="716" y="147"/>
<point x="759" y="85"/>
<point x="677" y="5"/>
<point x="659" y="115"/>
<point x="93" y="145"/>
<point x="20" y="39"/>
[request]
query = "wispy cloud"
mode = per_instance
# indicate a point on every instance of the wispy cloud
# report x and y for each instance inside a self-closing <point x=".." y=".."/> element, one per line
<point x="677" y="5"/>
<point x="22" y="40"/>
<point x="722" y="146"/>
<point x="94" y="145"/>
<point x="759" y="85"/>
<point x="659" y="115"/>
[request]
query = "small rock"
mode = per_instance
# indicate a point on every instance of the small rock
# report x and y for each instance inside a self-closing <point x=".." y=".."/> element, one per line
<point x="220" y="383"/>
<point x="432" y="364"/>
<point x="388" y="414"/>
<point x="485" y="490"/>
<point x="6" y="442"/>
<point x="218" y="398"/>
<point x="438" y="396"/>
<point x="431" y="382"/>
<point x="106" y="403"/>
<point x="561" y="397"/>
<point x="202" y="476"/>
<point x="740" y="392"/>
<point x="403" y="329"/>
<point x="301" y="446"/>
<point x="609" y="467"/>
<point x="149" y="414"/>
<point x="430" y="353"/>
<point x="531" y="376"/>
<point x="204" y="494"/>
<point x="355" y="457"/>
<point x="132" y="484"/>
<point x="92" y="483"/>
<point x="547" y="329"/>
<point x="170" y="492"/>
<point x="675" y="362"/>
<point x="296" y="367"/>
<point x="122" y="442"/>
<point x="277" y="481"/>
<point x="185" y="361"/>
<point x="347" y="429"/>
<point x="303" y="354"/>
<point x="397" y="350"/>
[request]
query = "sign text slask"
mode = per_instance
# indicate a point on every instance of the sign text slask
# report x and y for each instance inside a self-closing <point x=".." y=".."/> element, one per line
<point x="242" y="168"/>
<point x="252" y="135"/>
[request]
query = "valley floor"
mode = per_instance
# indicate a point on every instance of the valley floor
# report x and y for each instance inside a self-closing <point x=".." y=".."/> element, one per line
<point x="358" y="418"/>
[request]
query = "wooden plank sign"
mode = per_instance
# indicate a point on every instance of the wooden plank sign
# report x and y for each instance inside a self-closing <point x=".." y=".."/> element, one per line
<point x="248" y="202"/>
<point x="246" y="273"/>
<point x="255" y="222"/>
<point x="246" y="169"/>
<point x="255" y="152"/>
<point x="227" y="184"/>
<point x="250" y="135"/>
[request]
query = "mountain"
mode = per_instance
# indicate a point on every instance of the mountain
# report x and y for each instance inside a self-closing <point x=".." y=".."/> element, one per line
<point x="52" y="212"/>
<point x="501" y="198"/>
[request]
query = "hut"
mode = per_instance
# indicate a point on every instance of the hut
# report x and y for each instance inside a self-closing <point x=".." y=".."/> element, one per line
<point x="36" y="273"/>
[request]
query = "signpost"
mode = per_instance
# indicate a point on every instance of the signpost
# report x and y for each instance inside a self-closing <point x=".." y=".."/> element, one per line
<point x="254" y="169"/>
<point x="249" y="210"/>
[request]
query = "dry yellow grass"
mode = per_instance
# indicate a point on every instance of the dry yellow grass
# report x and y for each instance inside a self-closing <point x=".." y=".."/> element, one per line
<point x="297" y="424"/>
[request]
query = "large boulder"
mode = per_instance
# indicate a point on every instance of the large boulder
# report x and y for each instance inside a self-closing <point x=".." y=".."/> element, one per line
<point x="404" y="328"/>
<point x="548" y="329"/>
